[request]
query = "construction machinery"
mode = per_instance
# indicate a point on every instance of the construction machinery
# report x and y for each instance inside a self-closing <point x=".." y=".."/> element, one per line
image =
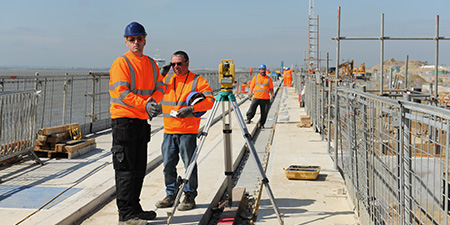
<point x="345" y="69"/>
<point x="360" y="73"/>
<point x="348" y="71"/>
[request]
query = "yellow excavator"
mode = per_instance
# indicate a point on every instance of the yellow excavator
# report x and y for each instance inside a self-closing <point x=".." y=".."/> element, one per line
<point x="360" y="73"/>
<point x="347" y="70"/>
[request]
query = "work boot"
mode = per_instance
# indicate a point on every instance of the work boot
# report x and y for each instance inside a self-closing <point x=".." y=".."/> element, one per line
<point x="146" y="215"/>
<point x="187" y="203"/>
<point x="133" y="221"/>
<point x="166" y="202"/>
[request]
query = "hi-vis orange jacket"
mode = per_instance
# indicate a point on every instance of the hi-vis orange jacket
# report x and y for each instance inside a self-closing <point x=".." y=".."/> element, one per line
<point x="287" y="77"/>
<point x="132" y="81"/>
<point x="177" y="89"/>
<point x="261" y="86"/>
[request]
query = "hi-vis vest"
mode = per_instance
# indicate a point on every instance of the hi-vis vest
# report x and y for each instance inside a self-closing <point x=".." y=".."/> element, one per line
<point x="262" y="86"/>
<point x="131" y="84"/>
<point x="177" y="90"/>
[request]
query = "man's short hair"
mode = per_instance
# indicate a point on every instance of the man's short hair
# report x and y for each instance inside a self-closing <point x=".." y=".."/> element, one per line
<point x="182" y="54"/>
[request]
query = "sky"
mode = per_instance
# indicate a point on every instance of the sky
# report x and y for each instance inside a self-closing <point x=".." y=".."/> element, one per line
<point x="89" y="33"/>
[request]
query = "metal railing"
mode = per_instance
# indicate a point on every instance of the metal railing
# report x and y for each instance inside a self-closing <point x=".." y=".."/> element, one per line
<point x="18" y="111"/>
<point x="81" y="98"/>
<point x="391" y="151"/>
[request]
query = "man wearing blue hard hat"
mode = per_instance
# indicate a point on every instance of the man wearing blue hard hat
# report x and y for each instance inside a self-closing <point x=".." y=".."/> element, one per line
<point x="261" y="89"/>
<point x="136" y="86"/>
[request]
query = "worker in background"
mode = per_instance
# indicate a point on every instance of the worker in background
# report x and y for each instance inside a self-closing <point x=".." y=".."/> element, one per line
<point x="288" y="77"/>
<point x="135" y="86"/>
<point x="262" y="89"/>
<point x="279" y="77"/>
<point x="181" y="123"/>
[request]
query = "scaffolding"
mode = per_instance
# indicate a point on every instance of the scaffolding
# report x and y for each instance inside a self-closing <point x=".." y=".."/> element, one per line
<point x="383" y="38"/>
<point x="313" y="40"/>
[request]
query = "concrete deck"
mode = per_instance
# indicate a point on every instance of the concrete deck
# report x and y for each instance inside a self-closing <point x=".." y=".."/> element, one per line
<point x="320" y="201"/>
<point x="62" y="190"/>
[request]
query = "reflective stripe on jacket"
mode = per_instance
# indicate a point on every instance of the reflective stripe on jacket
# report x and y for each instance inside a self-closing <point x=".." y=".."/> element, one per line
<point x="177" y="90"/>
<point x="132" y="81"/>
<point x="261" y="86"/>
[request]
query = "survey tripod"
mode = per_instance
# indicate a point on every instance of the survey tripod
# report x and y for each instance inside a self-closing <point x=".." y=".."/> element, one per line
<point x="225" y="97"/>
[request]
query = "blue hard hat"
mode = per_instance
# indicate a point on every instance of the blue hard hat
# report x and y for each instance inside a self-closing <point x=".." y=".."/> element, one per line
<point x="194" y="98"/>
<point x="262" y="66"/>
<point x="288" y="68"/>
<point x="134" y="28"/>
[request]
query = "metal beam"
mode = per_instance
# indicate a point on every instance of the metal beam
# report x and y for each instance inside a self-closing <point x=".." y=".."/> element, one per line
<point x="383" y="38"/>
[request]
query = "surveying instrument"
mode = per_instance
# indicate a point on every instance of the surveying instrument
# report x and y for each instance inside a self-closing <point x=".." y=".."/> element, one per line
<point x="226" y="80"/>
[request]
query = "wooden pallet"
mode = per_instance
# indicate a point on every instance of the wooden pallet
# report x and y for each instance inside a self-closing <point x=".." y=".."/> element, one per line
<point x="64" y="141"/>
<point x="69" y="148"/>
<point x="57" y="129"/>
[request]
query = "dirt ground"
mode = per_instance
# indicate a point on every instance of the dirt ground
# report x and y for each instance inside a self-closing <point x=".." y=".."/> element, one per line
<point x="418" y="76"/>
<point x="414" y="66"/>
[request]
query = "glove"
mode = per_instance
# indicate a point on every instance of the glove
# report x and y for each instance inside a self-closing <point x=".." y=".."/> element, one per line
<point x="165" y="69"/>
<point x="186" y="111"/>
<point x="155" y="109"/>
<point x="148" y="107"/>
<point x="150" y="99"/>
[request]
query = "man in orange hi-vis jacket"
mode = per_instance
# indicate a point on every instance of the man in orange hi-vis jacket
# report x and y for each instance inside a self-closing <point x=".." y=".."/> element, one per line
<point x="135" y="87"/>
<point x="262" y="89"/>
<point x="287" y="74"/>
<point x="181" y="123"/>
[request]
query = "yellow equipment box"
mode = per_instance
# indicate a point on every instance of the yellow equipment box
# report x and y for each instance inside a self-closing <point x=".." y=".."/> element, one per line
<point x="297" y="172"/>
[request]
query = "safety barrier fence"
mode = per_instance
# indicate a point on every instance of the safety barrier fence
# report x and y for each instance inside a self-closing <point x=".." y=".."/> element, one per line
<point x="18" y="111"/>
<point x="392" y="152"/>
<point x="66" y="99"/>
<point x="80" y="98"/>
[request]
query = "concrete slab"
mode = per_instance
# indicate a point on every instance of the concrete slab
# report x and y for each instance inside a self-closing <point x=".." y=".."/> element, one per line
<point x="322" y="201"/>
<point x="314" y="202"/>
<point x="211" y="174"/>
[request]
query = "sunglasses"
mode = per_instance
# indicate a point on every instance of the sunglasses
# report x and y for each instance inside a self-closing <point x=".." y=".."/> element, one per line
<point x="176" y="64"/>
<point x="132" y="39"/>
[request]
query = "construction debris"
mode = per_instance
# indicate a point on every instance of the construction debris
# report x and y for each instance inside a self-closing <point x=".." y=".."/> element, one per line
<point x="305" y="121"/>
<point x="63" y="140"/>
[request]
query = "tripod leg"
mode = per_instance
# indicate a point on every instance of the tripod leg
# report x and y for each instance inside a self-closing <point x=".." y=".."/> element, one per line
<point x="191" y="166"/>
<point x="227" y="151"/>
<point x="252" y="148"/>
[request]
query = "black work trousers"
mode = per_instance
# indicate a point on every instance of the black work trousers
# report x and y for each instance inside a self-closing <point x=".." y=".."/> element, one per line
<point x="129" y="149"/>
<point x="263" y="107"/>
